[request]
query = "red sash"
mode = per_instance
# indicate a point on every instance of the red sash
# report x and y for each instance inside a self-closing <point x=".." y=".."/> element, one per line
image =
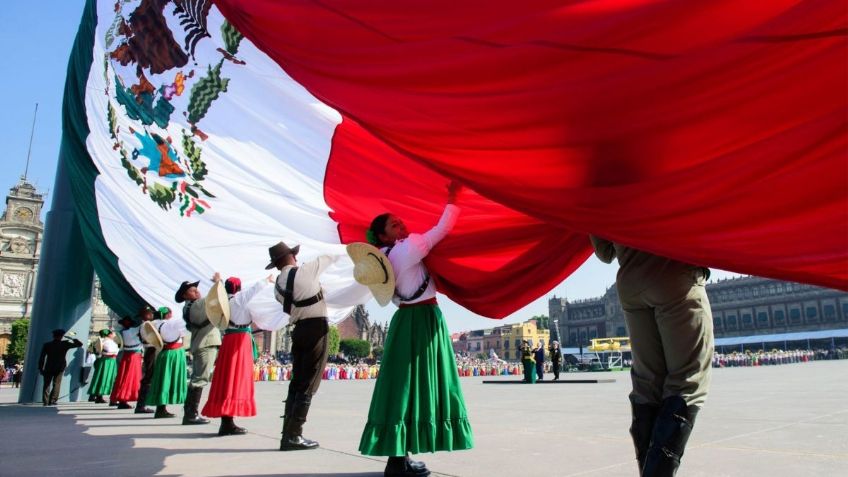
<point x="429" y="301"/>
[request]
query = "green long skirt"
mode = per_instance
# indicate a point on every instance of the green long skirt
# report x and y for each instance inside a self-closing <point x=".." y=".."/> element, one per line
<point x="529" y="371"/>
<point x="169" y="384"/>
<point x="103" y="378"/>
<point x="417" y="404"/>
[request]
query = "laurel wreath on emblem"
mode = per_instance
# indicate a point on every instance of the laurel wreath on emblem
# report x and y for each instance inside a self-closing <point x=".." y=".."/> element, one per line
<point x="171" y="175"/>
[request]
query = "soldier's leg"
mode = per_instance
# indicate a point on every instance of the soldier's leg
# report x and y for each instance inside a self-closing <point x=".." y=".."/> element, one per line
<point x="45" y="390"/>
<point x="57" y="386"/>
<point x="309" y="357"/>
<point x="202" y="362"/>
<point x="647" y="373"/>
<point x="685" y="324"/>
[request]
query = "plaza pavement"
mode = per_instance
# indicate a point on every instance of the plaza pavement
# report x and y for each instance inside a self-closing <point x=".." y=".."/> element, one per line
<point x="789" y="420"/>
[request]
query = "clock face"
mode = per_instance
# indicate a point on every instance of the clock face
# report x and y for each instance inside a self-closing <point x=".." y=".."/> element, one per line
<point x="23" y="213"/>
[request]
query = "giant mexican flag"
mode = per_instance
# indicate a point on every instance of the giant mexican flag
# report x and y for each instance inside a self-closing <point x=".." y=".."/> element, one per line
<point x="199" y="133"/>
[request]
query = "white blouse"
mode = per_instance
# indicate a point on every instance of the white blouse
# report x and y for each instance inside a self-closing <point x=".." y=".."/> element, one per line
<point x="109" y="346"/>
<point x="407" y="254"/>
<point x="131" y="338"/>
<point x="171" y="330"/>
<point x="239" y="314"/>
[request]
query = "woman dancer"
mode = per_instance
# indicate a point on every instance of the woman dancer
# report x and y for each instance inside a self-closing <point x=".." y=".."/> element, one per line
<point x="417" y="404"/>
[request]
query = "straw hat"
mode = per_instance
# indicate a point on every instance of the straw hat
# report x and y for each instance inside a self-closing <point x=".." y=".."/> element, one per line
<point x="98" y="345"/>
<point x="372" y="268"/>
<point x="218" y="305"/>
<point x="151" y="335"/>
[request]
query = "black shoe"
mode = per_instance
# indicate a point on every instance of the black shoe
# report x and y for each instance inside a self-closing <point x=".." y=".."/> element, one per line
<point x="123" y="405"/>
<point x="419" y="467"/>
<point x="297" y="443"/>
<point x="144" y="410"/>
<point x="53" y="403"/>
<point x="229" y="428"/>
<point x="162" y="413"/>
<point x="99" y="400"/>
<point x="402" y="467"/>
<point x="194" y="420"/>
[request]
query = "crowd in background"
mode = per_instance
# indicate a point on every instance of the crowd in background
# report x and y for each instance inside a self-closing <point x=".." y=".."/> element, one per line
<point x="775" y="357"/>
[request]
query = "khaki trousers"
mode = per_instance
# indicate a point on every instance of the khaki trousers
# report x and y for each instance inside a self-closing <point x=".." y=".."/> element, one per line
<point x="671" y="335"/>
<point x="202" y="363"/>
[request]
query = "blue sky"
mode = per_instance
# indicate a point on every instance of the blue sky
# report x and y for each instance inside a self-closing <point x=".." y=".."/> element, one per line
<point x="37" y="39"/>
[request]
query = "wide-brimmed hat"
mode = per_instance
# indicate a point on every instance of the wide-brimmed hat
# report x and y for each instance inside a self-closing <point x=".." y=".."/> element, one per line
<point x="279" y="251"/>
<point x="372" y="268"/>
<point x="151" y="335"/>
<point x="184" y="286"/>
<point x="218" y="306"/>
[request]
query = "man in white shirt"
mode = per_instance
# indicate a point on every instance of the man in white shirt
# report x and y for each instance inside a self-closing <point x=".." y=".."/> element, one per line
<point x="299" y="291"/>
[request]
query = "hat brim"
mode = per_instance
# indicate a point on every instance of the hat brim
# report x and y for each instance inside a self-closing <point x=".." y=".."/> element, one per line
<point x="369" y="255"/>
<point x="218" y="306"/>
<point x="151" y="335"/>
<point x="292" y="251"/>
<point x="178" y="297"/>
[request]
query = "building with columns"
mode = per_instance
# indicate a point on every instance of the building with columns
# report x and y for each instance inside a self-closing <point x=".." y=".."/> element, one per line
<point x="744" y="306"/>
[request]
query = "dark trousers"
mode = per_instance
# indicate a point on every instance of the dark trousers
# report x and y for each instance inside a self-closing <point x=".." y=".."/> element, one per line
<point x="47" y="396"/>
<point x="556" y="368"/>
<point x="309" y="355"/>
<point x="540" y="370"/>
<point x="147" y="365"/>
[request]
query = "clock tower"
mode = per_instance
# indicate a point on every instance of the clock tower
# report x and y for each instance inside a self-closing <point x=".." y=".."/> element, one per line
<point x="21" y="233"/>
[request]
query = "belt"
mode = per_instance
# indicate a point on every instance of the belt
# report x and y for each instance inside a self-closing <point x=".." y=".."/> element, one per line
<point x="324" y="318"/>
<point x="174" y="345"/>
<point x="108" y="356"/>
<point x="429" y="301"/>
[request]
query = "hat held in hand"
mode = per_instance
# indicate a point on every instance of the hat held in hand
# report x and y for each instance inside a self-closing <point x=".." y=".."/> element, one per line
<point x="371" y="268"/>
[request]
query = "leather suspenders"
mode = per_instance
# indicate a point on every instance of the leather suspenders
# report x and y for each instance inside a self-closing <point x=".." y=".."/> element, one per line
<point x="420" y="291"/>
<point x="288" y="294"/>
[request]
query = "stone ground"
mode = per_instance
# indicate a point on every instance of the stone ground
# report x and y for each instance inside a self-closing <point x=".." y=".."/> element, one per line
<point x="789" y="420"/>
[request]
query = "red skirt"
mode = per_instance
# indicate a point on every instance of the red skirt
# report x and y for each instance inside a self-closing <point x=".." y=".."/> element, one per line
<point x="231" y="393"/>
<point x="129" y="378"/>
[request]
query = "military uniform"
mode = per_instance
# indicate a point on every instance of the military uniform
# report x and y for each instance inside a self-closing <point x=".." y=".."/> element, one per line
<point x="205" y="341"/>
<point x="671" y="334"/>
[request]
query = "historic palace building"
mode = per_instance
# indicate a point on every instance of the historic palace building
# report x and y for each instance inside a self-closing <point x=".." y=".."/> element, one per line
<point x="744" y="306"/>
<point x="504" y="341"/>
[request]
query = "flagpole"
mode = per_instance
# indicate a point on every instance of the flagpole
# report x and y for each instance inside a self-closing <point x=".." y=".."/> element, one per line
<point x="31" y="135"/>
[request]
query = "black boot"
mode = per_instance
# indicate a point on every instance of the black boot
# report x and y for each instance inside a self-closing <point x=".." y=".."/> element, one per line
<point x="293" y="425"/>
<point x="162" y="413"/>
<point x="668" y="439"/>
<point x="402" y="467"/>
<point x="641" y="428"/>
<point x="191" y="415"/>
<point x="229" y="427"/>
<point x="124" y="405"/>
<point x="140" y="408"/>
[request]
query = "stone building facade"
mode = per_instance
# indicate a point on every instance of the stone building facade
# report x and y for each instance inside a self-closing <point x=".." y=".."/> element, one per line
<point x="21" y="233"/>
<point x="504" y="340"/>
<point x="358" y="325"/>
<point x="743" y="306"/>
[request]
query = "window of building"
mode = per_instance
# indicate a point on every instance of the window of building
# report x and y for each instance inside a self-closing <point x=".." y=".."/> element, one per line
<point x="517" y="344"/>
<point x="779" y="317"/>
<point x="478" y="346"/>
<point x="812" y="312"/>
<point x="506" y="344"/>
<point x="593" y="333"/>
<point x="716" y="322"/>
<point x="583" y="337"/>
<point x="845" y="311"/>
<point x="795" y="316"/>
<point x="731" y="321"/>
<point x="621" y="331"/>
<point x="572" y="338"/>
<point x="747" y="320"/>
<point x="506" y="354"/>
<point x="829" y="312"/>
<point x="762" y="319"/>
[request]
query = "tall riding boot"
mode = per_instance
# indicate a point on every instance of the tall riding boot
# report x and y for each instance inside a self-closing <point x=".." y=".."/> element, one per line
<point x="293" y="428"/>
<point x="229" y="427"/>
<point x="668" y="439"/>
<point x="641" y="428"/>
<point x="287" y="413"/>
<point x="192" y="404"/>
